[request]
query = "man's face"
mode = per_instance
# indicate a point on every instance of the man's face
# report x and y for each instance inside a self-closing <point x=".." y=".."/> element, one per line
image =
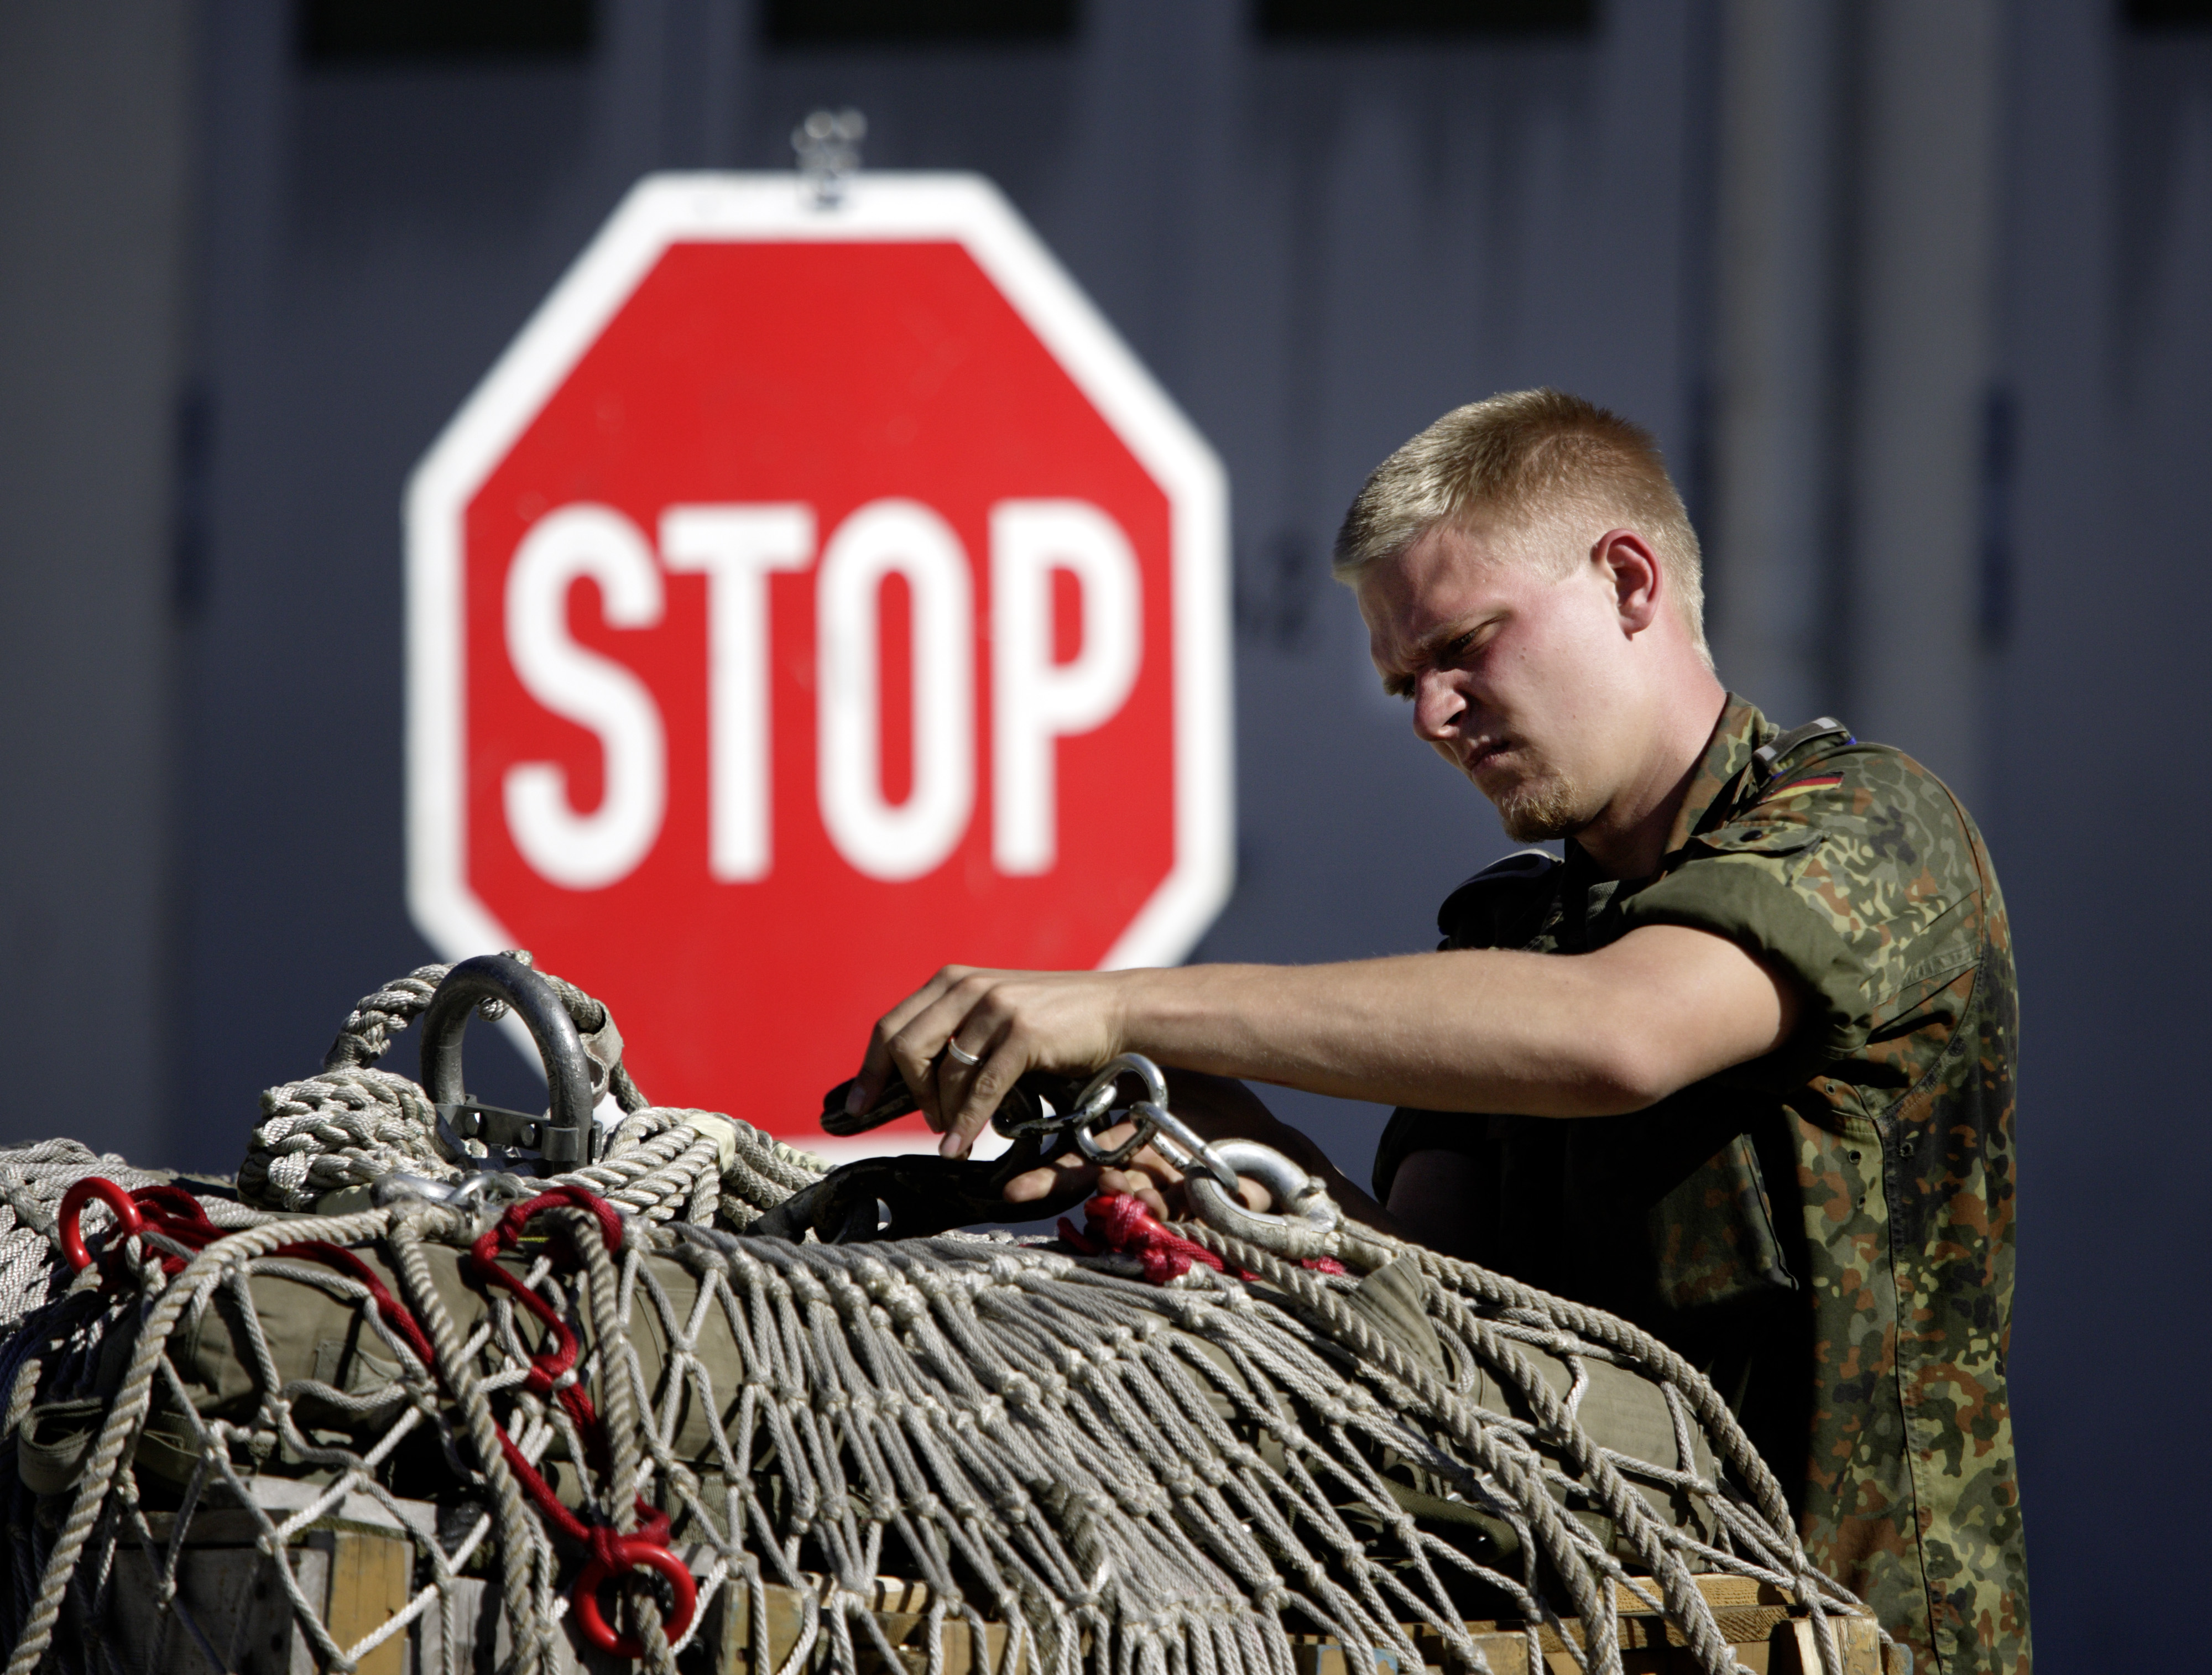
<point x="1513" y="669"/>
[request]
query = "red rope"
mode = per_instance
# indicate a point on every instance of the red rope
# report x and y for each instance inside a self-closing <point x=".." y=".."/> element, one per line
<point x="1120" y="1222"/>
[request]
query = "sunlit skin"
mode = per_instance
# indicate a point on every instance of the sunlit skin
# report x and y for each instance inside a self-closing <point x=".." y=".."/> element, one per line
<point x="1572" y="695"/>
<point x="1530" y="681"/>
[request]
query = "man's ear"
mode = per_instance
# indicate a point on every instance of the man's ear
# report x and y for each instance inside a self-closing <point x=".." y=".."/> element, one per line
<point x="1637" y="580"/>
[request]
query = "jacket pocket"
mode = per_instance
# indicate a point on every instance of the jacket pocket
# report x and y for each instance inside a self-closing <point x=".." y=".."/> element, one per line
<point x="1713" y="1237"/>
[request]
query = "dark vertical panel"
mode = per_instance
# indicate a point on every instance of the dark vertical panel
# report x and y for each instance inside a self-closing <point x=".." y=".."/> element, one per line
<point x="2160" y="16"/>
<point x="355" y="32"/>
<point x="1355" y="20"/>
<point x="376" y="235"/>
<point x="95" y="130"/>
<point x="845" y="22"/>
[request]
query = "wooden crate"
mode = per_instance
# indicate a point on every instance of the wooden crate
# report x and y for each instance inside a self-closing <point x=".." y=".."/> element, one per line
<point x="1766" y="1637"/>
<point x="359" y="1568"/>
<point x="357" y="1565"/>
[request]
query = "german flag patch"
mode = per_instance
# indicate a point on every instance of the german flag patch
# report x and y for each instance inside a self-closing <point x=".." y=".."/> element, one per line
<point x="1819" y="782"/>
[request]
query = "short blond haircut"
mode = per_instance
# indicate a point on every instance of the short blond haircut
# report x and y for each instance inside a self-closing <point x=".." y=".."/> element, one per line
<point x="1529" y="457"/>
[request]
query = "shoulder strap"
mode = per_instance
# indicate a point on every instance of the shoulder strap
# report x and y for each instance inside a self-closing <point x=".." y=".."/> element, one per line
<point x="1524" y="874"/>
<point x="1766" y="760"/>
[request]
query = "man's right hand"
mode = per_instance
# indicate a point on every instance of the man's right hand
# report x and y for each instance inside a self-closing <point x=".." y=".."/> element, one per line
<point x="965" y="1038"/>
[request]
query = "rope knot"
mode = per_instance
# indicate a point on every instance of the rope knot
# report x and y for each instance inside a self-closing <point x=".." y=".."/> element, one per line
<point x="606" y="1544"/>
<point x="1120" y="1222"/>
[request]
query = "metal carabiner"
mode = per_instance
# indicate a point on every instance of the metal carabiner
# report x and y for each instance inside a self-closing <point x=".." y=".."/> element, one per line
<point x="1096" y="1098"/>
<point x="1087" y="1137"/>
<point x="387" y="1190"/>
<point x="493" y="1188"/>
<point x="1189" y="1151"/>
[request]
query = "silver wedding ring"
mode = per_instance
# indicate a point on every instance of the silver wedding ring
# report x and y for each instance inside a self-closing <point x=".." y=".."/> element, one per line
<point x="954" y="1050"/>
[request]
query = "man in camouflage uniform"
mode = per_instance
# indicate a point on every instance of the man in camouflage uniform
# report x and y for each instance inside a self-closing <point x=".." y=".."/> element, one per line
<point x="1764" y="1109"/>
<point x="1841" y="1207"/>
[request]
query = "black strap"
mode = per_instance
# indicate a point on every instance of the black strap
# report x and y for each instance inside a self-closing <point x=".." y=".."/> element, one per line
<point x="1519" y="874"/>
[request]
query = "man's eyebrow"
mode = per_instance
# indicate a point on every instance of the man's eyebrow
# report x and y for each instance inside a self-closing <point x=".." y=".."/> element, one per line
<point x="1398" y="681"/>
<point x="1437" y="639"/>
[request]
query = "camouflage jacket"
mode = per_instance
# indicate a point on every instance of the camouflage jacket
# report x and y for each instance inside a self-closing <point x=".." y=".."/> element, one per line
<point x="1827" y="1230"/>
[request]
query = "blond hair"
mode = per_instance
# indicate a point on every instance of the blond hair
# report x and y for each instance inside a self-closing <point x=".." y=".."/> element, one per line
<point x="1530" y="458"/>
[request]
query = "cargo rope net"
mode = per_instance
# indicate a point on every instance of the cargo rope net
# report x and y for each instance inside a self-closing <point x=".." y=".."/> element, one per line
<point x="1040" y="1437"/>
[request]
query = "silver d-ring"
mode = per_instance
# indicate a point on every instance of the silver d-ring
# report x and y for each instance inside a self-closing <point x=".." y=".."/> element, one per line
<point x="960" y="1054"/>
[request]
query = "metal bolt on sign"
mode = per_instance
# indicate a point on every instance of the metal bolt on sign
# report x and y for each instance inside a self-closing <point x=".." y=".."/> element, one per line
<point x="828" y="147"/>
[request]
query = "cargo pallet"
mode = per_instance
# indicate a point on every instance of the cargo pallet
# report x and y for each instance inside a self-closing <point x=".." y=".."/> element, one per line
<point x="360" y="1568"/>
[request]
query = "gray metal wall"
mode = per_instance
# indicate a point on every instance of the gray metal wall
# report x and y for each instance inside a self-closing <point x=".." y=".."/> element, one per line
<point x="2097" y="743"/>
<point x="1805" y="251"/>
<point x="96" y="126"/>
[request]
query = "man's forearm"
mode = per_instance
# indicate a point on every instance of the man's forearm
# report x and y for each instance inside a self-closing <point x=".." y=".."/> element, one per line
<point x="1457" y="1031"/>
<point x="1471" y="1030"/>
<point x="1544" y="1035"/>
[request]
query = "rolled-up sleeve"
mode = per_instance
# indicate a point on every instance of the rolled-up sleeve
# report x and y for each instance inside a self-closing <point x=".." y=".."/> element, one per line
<point x="1859" y="888"/>
<point x="1751" y="900"/>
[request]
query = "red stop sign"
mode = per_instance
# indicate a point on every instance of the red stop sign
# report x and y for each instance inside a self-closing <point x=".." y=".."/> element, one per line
<point x="811" y="596"/>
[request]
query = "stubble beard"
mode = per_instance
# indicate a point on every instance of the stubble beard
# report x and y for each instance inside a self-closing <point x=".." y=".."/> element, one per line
<point x="1538" y="811"/>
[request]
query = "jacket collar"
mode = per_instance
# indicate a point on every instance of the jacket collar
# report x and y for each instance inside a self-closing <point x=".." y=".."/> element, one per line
<point x="1709" y="800"/>
<point x="1741" y="731"/>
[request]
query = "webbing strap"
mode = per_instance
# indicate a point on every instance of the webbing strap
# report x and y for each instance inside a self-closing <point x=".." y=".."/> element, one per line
<point x="1765" y="759"/>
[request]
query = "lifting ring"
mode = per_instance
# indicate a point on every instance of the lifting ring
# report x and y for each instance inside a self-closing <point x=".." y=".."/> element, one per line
<point x="567" y="1135"/>
<point x="71" y="1219"/>
<point x="630" y="1552"/>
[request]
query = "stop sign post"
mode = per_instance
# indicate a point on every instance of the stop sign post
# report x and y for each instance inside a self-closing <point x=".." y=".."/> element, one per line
<point x="811" y="596"/>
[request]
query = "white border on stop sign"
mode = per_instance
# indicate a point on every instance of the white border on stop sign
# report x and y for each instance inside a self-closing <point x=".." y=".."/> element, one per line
<point x="964" y="209"/>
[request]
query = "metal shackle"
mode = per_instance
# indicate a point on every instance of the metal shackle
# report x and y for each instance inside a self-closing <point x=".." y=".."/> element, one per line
<point x="1302" y="1224"/>
<point x="538" y="1003"/>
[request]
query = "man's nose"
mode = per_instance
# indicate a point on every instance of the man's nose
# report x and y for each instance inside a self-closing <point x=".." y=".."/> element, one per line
<point x="1437" y="706"/>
